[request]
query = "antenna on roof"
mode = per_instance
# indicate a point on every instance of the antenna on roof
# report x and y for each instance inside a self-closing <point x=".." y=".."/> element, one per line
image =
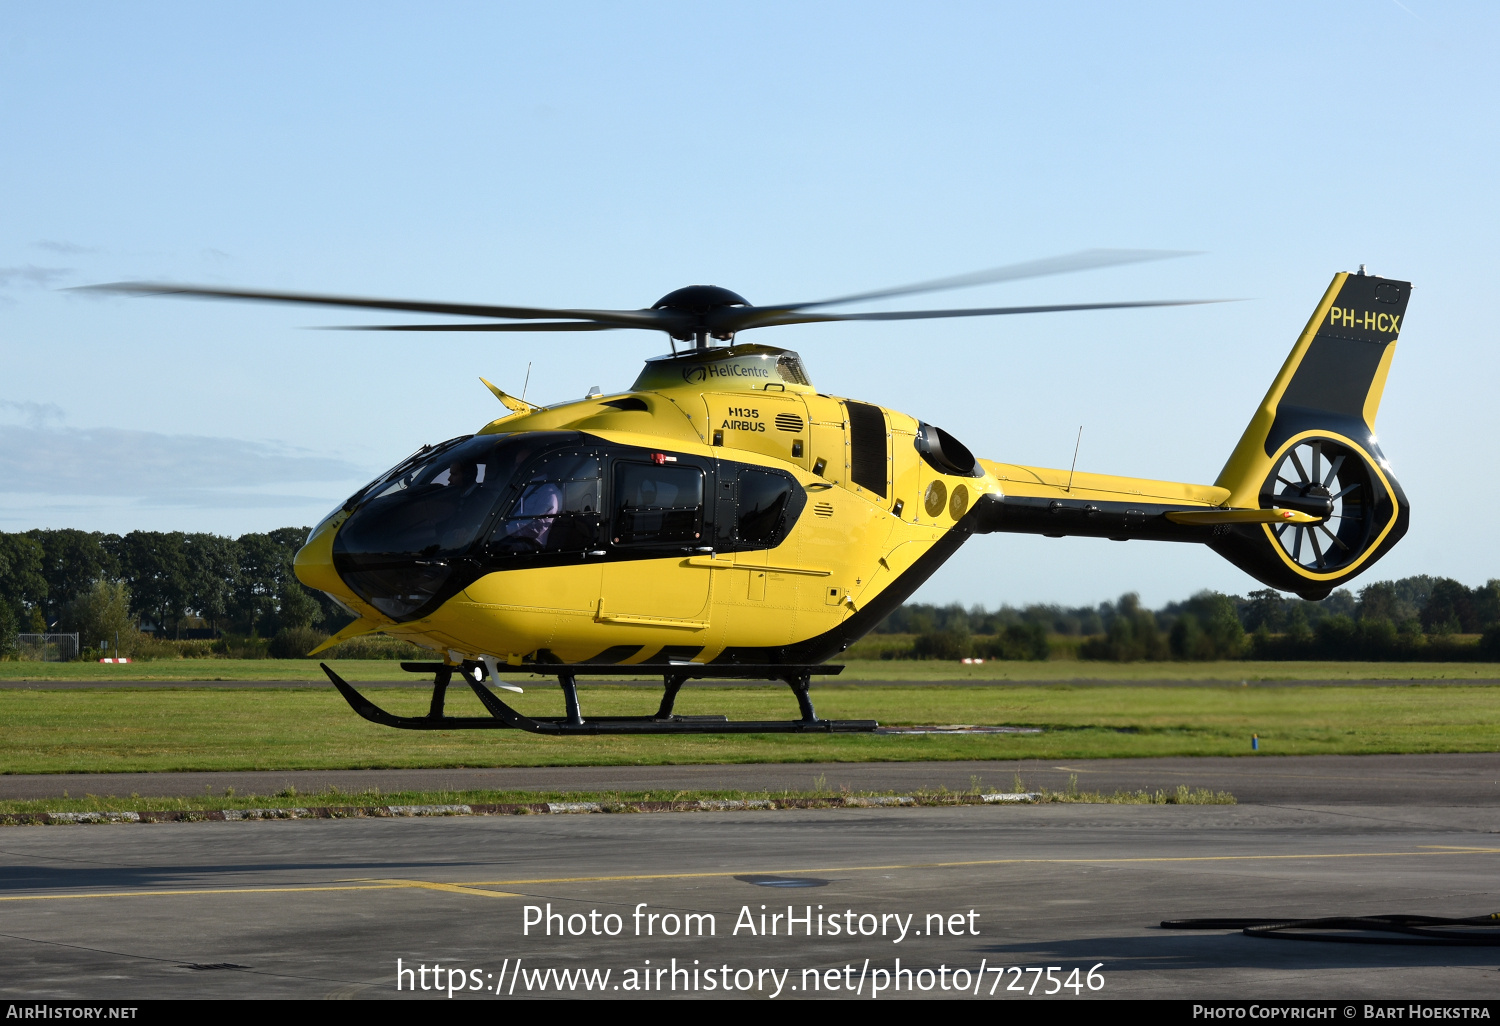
<point x="1075" y="458"/>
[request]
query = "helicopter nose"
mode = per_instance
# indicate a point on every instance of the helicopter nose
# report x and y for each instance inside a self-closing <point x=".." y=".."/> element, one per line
<point x="313" y="563"/>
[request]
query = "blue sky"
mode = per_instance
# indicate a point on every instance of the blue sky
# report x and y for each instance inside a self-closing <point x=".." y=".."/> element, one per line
<point x="604" y="154"/>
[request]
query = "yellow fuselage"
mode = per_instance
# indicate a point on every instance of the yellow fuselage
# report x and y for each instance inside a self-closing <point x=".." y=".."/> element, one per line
<point x="857" y="545"/>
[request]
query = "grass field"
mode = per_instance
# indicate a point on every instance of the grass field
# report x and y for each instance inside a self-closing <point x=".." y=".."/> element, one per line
<point x="870" y="669"/>
<point x="137" y="729"/>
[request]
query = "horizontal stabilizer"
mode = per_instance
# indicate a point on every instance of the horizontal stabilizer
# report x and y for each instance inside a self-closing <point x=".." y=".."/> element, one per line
<point x="1240" y="516"/>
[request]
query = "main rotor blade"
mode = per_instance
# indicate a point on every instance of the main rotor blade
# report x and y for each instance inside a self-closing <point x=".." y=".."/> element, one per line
<point x="1084" y="260"/>
<point x="661" y="319"/>
<point x="760" y="317"/>
<point x="525" y="326"/>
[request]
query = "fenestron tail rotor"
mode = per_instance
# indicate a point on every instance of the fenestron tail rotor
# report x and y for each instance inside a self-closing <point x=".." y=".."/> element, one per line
<point x="698" y="312"/>
<point x="1326" y="479"/>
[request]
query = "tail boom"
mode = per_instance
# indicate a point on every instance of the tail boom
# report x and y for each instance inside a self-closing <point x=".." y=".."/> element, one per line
<point x="1306" y="501"/>
<point x="1060" y="503"/>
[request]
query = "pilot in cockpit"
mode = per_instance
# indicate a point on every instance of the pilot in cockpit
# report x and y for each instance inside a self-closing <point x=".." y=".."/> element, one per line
<point x="453" y="517"/>
<point x="531" y="522"/>
<point x="462" y="477"/>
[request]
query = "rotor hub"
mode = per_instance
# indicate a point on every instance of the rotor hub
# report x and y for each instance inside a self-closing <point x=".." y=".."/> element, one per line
<point x="697" y="304"/>
<point x="1312" y="499"/>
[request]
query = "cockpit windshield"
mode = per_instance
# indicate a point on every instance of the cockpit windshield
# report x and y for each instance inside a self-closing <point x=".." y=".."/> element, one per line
<point x="395" y="549"/>
<point x="421" y="456"/>
<point x="438" y="506"/>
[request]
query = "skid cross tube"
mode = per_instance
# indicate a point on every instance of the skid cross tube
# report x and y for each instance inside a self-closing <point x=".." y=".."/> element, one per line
<point x="503" y="717"/>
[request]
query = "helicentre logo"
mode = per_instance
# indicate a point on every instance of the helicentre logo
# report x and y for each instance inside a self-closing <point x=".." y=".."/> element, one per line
<point x="698" y="373"/>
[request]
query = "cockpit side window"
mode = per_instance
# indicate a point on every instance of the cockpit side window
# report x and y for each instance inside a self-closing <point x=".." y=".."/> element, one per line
<point x="558" y="509"/>
<point x="763" y="506"/>
<point x="657" y="504"/>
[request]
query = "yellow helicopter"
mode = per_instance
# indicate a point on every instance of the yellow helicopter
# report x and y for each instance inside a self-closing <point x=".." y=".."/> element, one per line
<point x="723" y="518"/>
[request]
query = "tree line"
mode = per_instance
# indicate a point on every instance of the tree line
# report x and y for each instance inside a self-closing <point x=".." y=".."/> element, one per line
<point x="1415" y="618"/>
<point x="170" y="584"/>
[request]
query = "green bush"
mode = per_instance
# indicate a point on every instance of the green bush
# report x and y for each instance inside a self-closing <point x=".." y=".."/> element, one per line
<point x="943" y="645"/>
<point x="295" y="642"/>
<point x="143" y="648"/>
<point x="7" y="631"/>
<point x="377" y="646"/>
<point x="234" y="646"/>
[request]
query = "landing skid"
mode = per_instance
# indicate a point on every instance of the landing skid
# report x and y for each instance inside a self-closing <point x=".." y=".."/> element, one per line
<point x="503" y="717"/>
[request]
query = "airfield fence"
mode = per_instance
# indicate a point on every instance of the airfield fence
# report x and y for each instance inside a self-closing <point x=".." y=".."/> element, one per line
<point x="47" y="648"/>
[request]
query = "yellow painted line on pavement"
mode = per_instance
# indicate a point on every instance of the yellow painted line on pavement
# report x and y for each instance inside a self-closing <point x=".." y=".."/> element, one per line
<point x="982" y="862"/>
<point x="372" y="885"/>
<point x="454" y="888"/>
<point x="481" y="887"/>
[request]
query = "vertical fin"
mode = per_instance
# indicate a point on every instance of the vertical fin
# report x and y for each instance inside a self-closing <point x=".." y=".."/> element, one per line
<point x="1333" y="378"/>
<point x="1322" y="403"/>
